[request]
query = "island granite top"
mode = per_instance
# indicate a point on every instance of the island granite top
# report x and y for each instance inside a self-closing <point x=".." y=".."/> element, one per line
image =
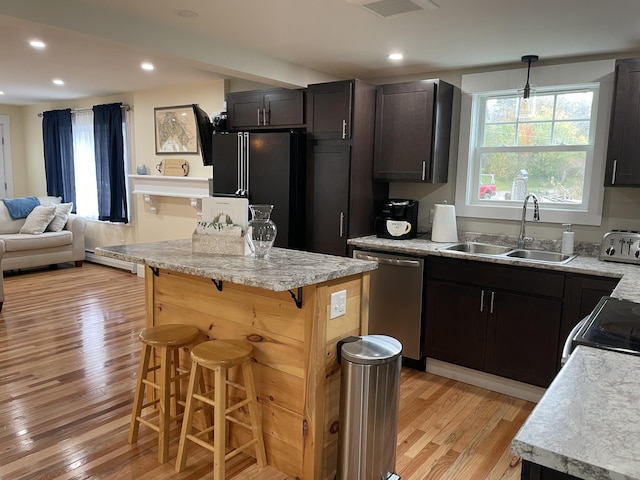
<point x="587" y="423"/>
<point x="283" y="270"/>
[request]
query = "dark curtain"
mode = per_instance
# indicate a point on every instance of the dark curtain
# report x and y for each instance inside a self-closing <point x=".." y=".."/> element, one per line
<point x="205" y="132"/>
<point x="110" y="174"/>
<point x="58" y="155"/>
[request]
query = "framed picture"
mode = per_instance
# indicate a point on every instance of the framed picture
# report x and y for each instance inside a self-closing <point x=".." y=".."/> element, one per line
<point x="176" y="130"/>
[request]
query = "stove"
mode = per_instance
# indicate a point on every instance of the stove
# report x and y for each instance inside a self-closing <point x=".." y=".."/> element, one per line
<point x="613" y="325"/>
<point x="621" y="246"/>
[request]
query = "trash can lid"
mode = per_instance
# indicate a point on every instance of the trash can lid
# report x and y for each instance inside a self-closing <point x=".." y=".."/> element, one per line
<point x="372" y="349"/>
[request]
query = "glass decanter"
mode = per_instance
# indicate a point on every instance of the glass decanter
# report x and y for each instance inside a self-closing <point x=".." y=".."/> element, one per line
<point x="262" y="231"/>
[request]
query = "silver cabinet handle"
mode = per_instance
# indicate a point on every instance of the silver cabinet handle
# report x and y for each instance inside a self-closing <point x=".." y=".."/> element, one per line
<point x="424" y="169"/>
<point x="492" y="297"/>
<point x="389" y="261"/>
<point x="258" y="110"/>
<point x="613" y="174"/>
<point x="264" y="117"/>
<point x="341" y="224"/>
<point x="344" y="129"/>
<point x="482" y="301"/>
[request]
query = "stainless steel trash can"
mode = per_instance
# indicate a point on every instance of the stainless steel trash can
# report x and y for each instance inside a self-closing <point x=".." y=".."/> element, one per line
<point x="369" y="399"/>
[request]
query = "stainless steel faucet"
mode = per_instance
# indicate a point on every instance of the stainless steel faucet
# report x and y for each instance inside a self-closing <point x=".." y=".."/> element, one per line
<point x="536" y="217"/>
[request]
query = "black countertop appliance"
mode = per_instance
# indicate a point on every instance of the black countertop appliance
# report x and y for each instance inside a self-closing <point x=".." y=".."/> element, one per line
<point x="397" y="219"/>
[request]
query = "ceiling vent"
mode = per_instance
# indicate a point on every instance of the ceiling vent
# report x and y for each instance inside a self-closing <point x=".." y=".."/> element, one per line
<point x="390" y="8"/>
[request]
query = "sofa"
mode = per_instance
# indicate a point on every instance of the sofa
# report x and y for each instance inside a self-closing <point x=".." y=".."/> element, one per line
<point x="26" y="250"/>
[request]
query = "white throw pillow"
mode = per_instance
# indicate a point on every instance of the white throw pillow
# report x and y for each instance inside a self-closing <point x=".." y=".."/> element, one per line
<point x="38" y="219"/>
<point x="60" y="218"/>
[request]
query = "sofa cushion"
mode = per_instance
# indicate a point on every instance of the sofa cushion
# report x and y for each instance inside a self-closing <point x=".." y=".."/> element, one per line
<point x="18" y="242"/>
<point x="38" y="220"/>
<point x="9" y="225"/>
<point x="61" y="217"/>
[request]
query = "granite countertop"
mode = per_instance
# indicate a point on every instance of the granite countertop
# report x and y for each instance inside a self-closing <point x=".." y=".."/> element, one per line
<point x="588" y="423"/>
<point x="283" y="270"/>
<point x="584" y="263"/>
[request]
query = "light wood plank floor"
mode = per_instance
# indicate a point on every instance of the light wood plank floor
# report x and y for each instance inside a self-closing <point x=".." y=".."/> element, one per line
<point x="68" y="359"/>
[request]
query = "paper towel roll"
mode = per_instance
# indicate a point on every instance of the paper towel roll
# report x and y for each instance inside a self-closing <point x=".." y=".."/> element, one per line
<point x="444" y="224"/>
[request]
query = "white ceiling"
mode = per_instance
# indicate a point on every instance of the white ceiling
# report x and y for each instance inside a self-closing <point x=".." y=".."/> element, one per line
<point x="96" y="46"/>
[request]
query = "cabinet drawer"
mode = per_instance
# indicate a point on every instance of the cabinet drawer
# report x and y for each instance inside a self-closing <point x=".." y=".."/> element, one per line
<point x="529" y="281"/>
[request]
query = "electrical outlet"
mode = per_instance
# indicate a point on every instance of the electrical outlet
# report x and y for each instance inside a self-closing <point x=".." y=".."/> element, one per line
<point x="338" y="303"/>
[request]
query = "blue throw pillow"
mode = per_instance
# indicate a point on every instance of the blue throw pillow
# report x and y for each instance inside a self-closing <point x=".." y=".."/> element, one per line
<point x="20" y="207"/>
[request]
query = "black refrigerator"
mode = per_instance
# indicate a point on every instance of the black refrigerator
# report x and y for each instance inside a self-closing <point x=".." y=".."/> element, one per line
<point x="266" y="167"/>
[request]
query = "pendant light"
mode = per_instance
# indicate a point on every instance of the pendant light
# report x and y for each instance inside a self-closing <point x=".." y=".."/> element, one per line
<point x="527" y="104"/>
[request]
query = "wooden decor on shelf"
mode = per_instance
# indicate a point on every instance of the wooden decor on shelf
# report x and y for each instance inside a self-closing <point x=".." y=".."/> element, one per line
<point x="173" y="167"/>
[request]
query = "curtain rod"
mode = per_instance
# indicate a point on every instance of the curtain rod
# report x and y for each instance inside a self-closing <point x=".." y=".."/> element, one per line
<point x="126" y="106"/>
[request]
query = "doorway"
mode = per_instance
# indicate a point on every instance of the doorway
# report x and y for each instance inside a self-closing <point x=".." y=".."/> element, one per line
<point x="6" y="178"/>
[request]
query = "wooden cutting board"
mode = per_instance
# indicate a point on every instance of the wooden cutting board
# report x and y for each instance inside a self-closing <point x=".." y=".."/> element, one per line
<point x="173" y="167"/>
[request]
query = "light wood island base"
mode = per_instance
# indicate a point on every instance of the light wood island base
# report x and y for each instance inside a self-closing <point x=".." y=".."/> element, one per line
<point x="296" y="370"/>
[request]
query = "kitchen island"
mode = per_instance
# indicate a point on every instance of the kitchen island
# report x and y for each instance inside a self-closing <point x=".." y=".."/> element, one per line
<point x="282" y="306"/>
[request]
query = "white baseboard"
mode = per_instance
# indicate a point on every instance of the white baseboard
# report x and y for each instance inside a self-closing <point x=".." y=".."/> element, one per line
<point x="111" y="262"/>
<point x="512" y="388"/>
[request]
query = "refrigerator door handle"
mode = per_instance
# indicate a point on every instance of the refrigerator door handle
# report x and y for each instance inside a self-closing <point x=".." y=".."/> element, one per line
<point x="239" y="161"/>
<point x="246" y="162"/>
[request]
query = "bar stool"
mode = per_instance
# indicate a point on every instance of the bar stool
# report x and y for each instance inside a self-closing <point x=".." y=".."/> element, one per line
<point x="167" y="340"/>
<point x="219" y="356"/>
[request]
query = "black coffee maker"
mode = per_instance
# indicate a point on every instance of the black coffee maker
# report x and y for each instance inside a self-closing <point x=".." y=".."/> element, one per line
<point x="397" y="219"/>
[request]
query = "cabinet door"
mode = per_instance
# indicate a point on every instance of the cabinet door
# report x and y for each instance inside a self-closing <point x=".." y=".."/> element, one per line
<point x="522" y="338"/>
<point x="456" y="324"/>
<point x="329" y="203"/>
<point x="284" y="108"/>
<point x="244" y="109"/>
<point x="623" y="156"/>
<point x="404" y="131"/>
<point x="329" y="110"/>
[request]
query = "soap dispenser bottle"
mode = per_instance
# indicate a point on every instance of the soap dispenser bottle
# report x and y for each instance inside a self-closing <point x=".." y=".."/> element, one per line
<point x="567" y="239"/>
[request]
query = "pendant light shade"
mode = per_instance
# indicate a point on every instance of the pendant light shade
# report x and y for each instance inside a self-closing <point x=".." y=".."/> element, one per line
<point x="527" y="103"/>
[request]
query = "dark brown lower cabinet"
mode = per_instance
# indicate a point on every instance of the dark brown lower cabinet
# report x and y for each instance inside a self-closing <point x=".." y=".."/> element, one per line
<point x="533" y="471"/>
<point x="495" y="318"/>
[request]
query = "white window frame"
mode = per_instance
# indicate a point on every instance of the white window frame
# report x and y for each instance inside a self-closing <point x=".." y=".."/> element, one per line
<point x="600" y="72"/>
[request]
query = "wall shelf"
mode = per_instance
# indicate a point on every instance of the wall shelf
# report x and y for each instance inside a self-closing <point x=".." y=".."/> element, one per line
<point x="153" y="186"/>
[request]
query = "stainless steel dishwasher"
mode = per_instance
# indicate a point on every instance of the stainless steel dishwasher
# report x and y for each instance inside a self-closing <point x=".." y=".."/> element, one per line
<point x="395" y="299"/>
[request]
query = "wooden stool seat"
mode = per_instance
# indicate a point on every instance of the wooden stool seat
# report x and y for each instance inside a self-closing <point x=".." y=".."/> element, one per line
<point x="167" y="340"/>
<point x="219" y="356"/>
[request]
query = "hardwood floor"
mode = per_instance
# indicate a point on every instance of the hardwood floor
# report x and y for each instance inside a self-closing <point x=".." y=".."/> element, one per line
<point x="68" y="360"/>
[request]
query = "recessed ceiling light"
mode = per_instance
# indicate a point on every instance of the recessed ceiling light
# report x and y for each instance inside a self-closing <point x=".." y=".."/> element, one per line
<point x="395" y="56"/>
<point x="39" y="44"/>
<point x="1" y="92"/>
<point x="57" y="81"/>
<point x="147" y="66"/>
<point x="186" y="13"/>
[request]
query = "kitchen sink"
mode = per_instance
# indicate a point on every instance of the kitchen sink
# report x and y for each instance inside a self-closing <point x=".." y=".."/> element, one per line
<point x="540" y="256"/>
<point x="478" y="248"/>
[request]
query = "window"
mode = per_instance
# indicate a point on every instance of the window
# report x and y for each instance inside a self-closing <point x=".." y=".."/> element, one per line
<point x="543" y="145"/>
<point x="86" y="160"/>
<point x="552" y="145"/>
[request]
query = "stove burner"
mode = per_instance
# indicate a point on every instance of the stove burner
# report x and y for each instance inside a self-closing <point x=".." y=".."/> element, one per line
<point x="614" y="324"/>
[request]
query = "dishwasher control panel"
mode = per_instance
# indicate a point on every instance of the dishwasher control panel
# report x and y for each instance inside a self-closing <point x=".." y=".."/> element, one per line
<point x="621" y="246"/>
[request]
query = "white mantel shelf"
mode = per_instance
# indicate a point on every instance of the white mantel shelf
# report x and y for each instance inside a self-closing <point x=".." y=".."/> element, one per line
<point x="152" y="186"/>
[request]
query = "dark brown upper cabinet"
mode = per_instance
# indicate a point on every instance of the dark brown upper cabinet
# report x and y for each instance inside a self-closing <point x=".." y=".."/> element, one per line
<point x="329" y="112"/>
<point x="623" y="155"/>
<point x="413" y="131"/>
<point x="265" y="109"/>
